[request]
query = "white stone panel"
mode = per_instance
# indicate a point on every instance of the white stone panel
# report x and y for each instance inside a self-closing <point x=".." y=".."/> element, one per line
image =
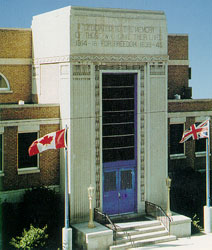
<point x="103" y="31"/>
<point x="156" y="140"/>
<point x="51" y="33"/>
<point x="49" y="89"/>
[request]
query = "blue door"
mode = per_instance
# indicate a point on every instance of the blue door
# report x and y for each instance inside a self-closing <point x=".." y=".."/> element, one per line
<point x="119" y="140"/>
<point x="119" y="191"/>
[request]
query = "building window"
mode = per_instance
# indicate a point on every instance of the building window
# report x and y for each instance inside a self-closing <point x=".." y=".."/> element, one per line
<point x="4" y="84"/>
<point x="24" y="160"/>
<point x="1" y="152"/>
<point x="176" y="132"/>
<point x="200" y="146"/>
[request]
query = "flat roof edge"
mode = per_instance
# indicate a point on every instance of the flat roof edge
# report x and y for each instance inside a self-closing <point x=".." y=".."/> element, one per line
<point x="178" y="34"/>
<point x="21" y="29"/>
<point x="118" y="10"/>
<point x="91" y="9"/>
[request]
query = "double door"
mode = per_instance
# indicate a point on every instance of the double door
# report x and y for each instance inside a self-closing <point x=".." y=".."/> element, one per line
<point x="119" y="190"/>
<point x="119" y="140"/>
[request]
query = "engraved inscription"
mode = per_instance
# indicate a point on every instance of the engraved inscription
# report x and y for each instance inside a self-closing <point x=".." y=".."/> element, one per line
<point x="112" y="36"/>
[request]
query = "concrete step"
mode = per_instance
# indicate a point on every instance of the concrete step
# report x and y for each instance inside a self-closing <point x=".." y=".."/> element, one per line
<point x="135" y="225"/>
<point x="143" y="230"/>
<point x="139" y="237"/>
<point x="140" y="243"/>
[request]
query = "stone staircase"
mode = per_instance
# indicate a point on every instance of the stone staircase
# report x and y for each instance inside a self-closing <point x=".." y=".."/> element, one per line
<point x="140" y="233"/>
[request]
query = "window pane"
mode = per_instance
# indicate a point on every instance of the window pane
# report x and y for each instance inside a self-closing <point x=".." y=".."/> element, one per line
<point x="126" y="179"/>
<point x="118" y="117"/>
<point x="118" y="141"/>
<point x="118" y="129"/>
<point x="200" y="145"/>
<point x="3" y="83"/>
<point x="176" y="132"/>
<point x="1" y="153"/>
<point x="114" y="92"/>
<point x="109" y="181"/>
<point x="121" y="154"/>
<point x="118" y="80"/>
<point x="24" y="141"/>
<point x="118" y="106"/>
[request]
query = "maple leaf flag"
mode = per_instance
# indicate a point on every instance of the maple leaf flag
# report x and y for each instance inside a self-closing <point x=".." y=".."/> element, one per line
<point x="52" y="140"/>
<point x="196" y="132"/>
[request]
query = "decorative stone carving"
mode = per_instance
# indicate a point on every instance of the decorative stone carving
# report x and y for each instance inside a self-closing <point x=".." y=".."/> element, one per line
<point x="97" y="111"/>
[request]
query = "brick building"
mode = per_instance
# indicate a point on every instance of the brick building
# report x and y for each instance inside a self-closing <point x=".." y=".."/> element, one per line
<point x="183" y="111"/>
<point x="21" y="120"/>
<point x="49" y="77"/>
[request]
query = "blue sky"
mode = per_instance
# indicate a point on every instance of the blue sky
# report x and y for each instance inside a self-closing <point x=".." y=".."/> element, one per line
<point x="192" y="17"/>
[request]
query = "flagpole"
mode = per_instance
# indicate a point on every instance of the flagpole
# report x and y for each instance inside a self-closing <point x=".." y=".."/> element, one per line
<point x="67" y="231"/>
<point x="208" y="168"/>
<point x="66" y="186"/>
<point x="207" y="208"/>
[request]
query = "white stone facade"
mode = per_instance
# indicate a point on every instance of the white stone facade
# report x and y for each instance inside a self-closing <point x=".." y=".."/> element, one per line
<point x="72" y="48"/>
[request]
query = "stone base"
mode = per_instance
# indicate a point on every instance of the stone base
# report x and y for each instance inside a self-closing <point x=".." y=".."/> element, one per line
<point x="67" y="239"/>
<point x="97" y="238"/>
<point x="180" y="226"/>
<point x="207" y="219"/>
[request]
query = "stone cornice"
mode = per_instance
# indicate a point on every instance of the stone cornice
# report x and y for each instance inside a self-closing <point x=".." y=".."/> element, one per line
<point x="178" y="62"/>
<point x="102" y="58"/>
<point x="15" y="61"/>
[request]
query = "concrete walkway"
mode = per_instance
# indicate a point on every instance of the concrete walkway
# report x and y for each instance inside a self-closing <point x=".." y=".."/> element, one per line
<point x="198" y="241"/>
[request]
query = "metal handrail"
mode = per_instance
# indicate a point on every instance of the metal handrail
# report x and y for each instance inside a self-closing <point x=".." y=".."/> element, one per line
<point x="104" y="219"/>
<point x="158" y="213"/>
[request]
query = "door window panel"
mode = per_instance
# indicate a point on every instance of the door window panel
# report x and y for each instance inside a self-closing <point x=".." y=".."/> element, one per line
<point x="109" y="181"/>
<point x="126" y="179"/>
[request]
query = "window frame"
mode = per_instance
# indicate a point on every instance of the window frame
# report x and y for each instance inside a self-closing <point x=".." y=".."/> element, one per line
<point x="7" y="82"/>
<point x="136" y="76"/>
<point x="199" y="153"/>
<point x="177" y="155"/>
<point x="2" y="154"/>
<point x="28" y="170"/>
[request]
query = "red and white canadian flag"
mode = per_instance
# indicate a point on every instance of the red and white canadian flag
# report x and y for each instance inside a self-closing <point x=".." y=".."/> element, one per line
<point x="52" y="140"/>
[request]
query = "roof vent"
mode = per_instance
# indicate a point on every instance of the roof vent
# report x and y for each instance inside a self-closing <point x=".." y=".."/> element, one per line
<point x="177" y="97"/>
<point x="21" y="102"/>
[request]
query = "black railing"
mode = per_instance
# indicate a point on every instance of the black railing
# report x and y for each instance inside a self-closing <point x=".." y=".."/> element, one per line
<point x="105" y="220"/>
<point x="157" y="212"/>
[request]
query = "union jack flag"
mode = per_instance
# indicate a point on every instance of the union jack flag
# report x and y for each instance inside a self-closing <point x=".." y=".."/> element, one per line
<point x="196" y="132"/>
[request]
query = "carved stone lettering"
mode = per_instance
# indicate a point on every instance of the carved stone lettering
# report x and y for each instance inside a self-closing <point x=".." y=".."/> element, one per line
<point x="121" y="36"/>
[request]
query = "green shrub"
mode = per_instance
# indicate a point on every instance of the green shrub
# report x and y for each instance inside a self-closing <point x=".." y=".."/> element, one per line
<point x="188" y="194"/>
<point x="40" y="207"/>
<point x="195" y="226"/>
<point x="34" y="238"/>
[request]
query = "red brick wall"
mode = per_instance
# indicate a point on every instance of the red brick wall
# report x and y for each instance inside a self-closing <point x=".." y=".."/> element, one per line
<point x="177" y="80"/>
<point x="49" y="163"/>
<point x="178" y="75"/>
<point x="178" y="47"/>
<point x="190" y="105"/>
<point x="20" y="80"/>
<point x="49" y="160"/>
<point x="15" y="43"/>
<point x="20" y="112"/>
